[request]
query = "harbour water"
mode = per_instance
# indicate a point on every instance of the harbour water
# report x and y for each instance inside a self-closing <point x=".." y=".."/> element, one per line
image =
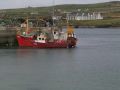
<point x="93" y="65"/>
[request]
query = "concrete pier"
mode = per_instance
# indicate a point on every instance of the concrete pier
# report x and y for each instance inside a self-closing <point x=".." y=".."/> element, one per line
<point x="8" y="36"/>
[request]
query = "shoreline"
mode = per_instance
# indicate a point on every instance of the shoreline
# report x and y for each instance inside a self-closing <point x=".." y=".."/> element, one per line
<point x="90" y="27"/>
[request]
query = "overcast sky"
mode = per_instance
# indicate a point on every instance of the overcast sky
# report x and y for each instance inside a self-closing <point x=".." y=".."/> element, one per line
<point x="35" y="3"/>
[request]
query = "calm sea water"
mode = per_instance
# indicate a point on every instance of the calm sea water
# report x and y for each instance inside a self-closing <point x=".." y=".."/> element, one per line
<point x="93" y="65"/>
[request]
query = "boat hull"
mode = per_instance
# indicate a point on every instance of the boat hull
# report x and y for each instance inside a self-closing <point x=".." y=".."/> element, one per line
<point x="30" y="42"/>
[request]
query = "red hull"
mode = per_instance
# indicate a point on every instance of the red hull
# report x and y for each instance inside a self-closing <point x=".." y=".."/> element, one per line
<point x="30" y="42"/>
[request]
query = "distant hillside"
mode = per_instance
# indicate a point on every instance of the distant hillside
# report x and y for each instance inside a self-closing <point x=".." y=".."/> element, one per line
<point x="113" y="6"/>
<point x="105" y="5"/>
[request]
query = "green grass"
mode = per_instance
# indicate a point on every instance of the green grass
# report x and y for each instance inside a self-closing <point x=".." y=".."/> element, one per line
<point x="98" y="23"/>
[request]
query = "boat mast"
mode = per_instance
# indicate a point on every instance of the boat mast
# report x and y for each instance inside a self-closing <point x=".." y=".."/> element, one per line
<point x="53" y="16"/>
<point x="26" y="21"/>
<point x="27" y="26"/>
<point x="70" y="30"/>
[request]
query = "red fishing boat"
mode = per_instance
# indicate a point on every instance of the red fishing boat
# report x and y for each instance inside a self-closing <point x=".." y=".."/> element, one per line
<point x="47" y="37"/>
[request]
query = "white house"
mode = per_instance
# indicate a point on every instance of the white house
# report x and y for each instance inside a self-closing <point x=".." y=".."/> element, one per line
<point x="56" y="17"/>
<point x="84" y="16"/>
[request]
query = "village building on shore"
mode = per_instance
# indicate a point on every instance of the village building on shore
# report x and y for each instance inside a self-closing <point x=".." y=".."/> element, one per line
<point x="79" y="16"/>
<point x="84" y="16"/>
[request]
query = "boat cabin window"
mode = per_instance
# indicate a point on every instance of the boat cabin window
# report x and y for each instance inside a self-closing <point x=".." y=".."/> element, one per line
<point x="39" y="38"/>
<point x="42" y="38"/>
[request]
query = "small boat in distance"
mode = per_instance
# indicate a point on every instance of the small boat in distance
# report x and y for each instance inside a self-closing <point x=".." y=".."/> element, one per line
<point x="46" y="37"/>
